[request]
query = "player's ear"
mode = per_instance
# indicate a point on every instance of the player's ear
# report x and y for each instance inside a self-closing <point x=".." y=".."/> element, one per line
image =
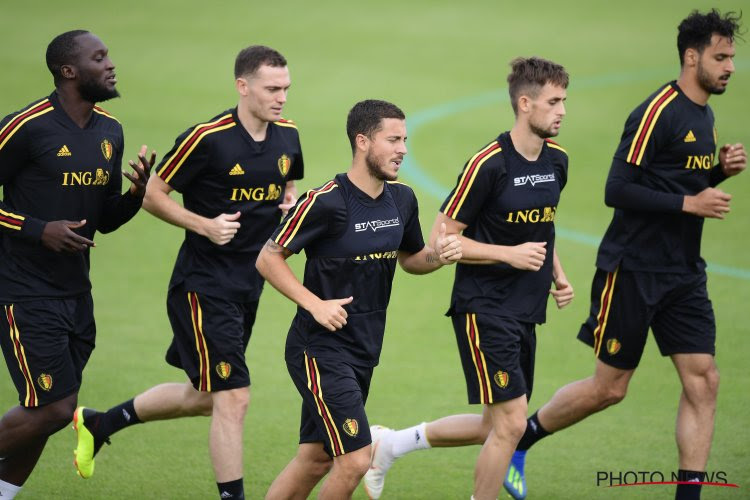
<point x="691" y="57"/>
<point x="68" y="71"/>
<point x="362" y="142"/>
<point x="241" y="86"/>
<point x="524" y="103"/>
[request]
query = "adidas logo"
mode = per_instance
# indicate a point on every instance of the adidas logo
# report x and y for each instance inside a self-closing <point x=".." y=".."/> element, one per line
<point x="64" y="151"/>
<point x="236" y="170"/>
<point x="690" y="137"/>
<point x="226" y="494"/>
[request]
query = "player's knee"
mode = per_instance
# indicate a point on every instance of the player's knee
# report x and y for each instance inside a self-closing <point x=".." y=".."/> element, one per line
<point x="611" y="395"/>
<point x="58" y="415"/>
<point x="319" y="466"/>
<point x="712" y="381"/>
<point x="355" y="465"/>
<point x="703" y="386"/>
<point x="231" y="404"/>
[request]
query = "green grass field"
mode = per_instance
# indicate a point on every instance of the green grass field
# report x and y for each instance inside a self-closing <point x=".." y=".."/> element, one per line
<point x="445" y="64"/>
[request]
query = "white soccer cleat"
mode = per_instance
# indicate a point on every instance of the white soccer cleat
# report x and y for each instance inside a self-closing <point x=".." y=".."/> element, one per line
<point x="380" y="461"/>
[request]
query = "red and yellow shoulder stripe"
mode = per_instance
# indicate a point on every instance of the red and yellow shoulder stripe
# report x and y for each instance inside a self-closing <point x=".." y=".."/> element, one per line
<point x="552" y="144"/>
<point x="294" y="222"/>
<point x="106" y="113"/>
<point x="650" y="116"/>
<point x="33" y="111"/>
<point x="286" y="123"/>
<point x="174" y="162"/>
<point x="467" y="179"/>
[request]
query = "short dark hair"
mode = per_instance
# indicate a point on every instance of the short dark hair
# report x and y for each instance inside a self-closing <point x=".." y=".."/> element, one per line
<point x="366" y="118"/>
<point x="696" y="30"/>
<point x="63" y="49"/>
<point x="251" y="58"/>
<point x="529" y="74"/>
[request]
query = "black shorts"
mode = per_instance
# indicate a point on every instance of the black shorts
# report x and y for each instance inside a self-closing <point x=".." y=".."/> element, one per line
<point x="497" y="355"/>
<point x="46" y="344"/>
<point x="334" y="394"/>
<point x="624" y="304"/>
<point x="210" y="338"/>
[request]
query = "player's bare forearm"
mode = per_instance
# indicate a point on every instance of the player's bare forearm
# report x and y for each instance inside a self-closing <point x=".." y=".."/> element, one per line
<point x="425" y="261"/>
<point x="272" y="265"/>
<point x="159" y="204"/>
<point x="563" y="291"/>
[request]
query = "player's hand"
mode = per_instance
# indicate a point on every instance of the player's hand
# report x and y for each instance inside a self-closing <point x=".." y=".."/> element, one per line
<point x="710" y="202"/>
<point x="331" y="313"/>
<point x="527" y="256"/>
<point x="142" y="172"/>
<point x="563" y="292"/>
<point x="222" y="228"/>
<point x="447" y="248"/>
<point x="289" y="202"/>
<point x="58" y="235"/>
<point x="733" y="159"/>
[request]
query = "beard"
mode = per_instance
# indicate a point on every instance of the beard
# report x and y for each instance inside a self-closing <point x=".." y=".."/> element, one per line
<point x="542" y="133"/>
<point x="705" y="82"/>
<point x="376" y="171"/>
<point x="94" y="91"/>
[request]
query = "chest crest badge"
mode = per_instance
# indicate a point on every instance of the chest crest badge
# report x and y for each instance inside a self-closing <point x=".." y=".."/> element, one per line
<point x="107" y="149"/>
<point x="284" y="164"/>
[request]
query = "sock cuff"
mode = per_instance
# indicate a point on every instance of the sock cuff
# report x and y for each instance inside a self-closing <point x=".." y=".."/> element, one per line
<point x="422" y="429"/>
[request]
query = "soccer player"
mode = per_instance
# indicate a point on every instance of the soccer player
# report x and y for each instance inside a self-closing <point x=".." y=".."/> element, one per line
<point x="353" y="229"/>
<point x="233" y="172"/>
<point x="60" y="167"/>
<point x="503" y="207"/>
<point x="649" y="270"/>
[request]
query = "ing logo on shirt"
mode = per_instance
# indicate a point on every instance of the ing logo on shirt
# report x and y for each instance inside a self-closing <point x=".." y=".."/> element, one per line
<point x="273" y="192"/>
<point x="393" y="254"/>
<point x="86" y="178"/>
<point x="700" y="162"/>
<point x="532" y="215"/>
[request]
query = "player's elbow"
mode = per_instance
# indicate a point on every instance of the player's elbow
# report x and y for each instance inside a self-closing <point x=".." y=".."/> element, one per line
<point x="612" y="194"/>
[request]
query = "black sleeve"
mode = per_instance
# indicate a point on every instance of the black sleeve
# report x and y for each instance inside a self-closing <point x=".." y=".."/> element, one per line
<point x="119" y="207"/>
<point x="624" y="191"/>
<point x="475" y="184"/>
<point x="716" y="176"/>
<point x="310" y="218"/>
<point x="648" y="129"/>
<point x="297" y="171"/>
<point x="187" y="158"/>
<point x="14" y="155"/>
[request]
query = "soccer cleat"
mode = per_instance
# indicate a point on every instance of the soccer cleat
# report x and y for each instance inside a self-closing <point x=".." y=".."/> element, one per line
<point x="88" y="444"/>
<point x="380" y="461"/>
<point x="515" y="481"/>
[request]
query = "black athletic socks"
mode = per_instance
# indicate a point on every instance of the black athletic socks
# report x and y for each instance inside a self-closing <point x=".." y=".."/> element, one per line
<point x="232" y="489"/>
<point x="534" y="432"/>
<point x="103" y="425"/>
<point x="689" y="491"/>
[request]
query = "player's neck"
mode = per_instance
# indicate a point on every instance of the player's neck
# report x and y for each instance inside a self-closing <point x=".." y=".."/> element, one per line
<point x="78" y="109"/>
<point x="360" y="177"/>
<point x="527" y="143"/>
<point x="689" y="85"/>
<point x="256" y="127"/>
